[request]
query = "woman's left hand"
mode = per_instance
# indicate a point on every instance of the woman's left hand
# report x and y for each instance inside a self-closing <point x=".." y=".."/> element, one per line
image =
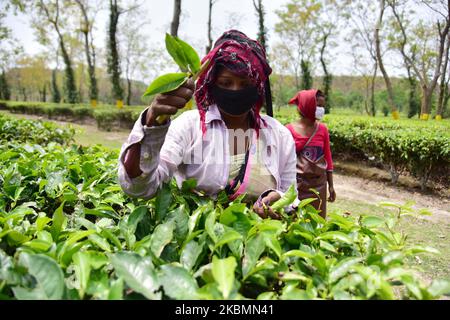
<point x="332" y="196"/>
<point x="263" y="209"/>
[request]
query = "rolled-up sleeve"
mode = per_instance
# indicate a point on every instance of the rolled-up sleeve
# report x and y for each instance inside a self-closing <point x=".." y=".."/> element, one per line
<point x="155" y="171"/>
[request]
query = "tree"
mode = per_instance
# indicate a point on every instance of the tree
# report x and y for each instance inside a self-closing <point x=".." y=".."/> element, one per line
<point x="387" y="80"/>
<point x="176" y="18"/>
<point x="210" y="40"/>
<point x="262" y="31"/>
<point x="86" y="28"/>
<point x="51" y="11"/>
<point x="418" y="36"/>
<point x="363" y="25"/>
<point x="113" y="60"/>
<point x="113" y="53"/>
<point x="262" y="37"/>
<point x="443" y="86"/>
<point x="134" y="48"/>
<point x="333" y="16"/>
<point x="297" y="28"/>
<point x="10" y="48"/>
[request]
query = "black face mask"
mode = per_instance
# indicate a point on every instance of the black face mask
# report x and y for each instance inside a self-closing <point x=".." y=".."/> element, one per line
<point x="235" y="102"/>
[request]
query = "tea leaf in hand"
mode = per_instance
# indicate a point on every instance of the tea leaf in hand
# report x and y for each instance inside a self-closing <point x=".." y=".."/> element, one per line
<point x="166" y="83"/>
<point x="191" y="56"/>
<point x="176" y="52"/>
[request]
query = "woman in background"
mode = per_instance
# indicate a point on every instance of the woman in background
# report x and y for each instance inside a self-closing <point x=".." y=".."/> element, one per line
<point x="312" y="144"/>
<point x="224" y="145"/>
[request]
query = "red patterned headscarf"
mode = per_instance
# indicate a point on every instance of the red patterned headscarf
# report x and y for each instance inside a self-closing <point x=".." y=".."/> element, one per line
<point x="243" y="56"/>
<point x="306" y="103"/>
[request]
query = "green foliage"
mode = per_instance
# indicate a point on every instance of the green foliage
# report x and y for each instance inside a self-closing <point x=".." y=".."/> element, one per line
<point x="38" y="132"/>
<point x="62" y="211"/>
<point x="107" y="117"/>
<point x="422" y="149"/>
<point x="166" y="83"/>
<point x="417" y="147"/>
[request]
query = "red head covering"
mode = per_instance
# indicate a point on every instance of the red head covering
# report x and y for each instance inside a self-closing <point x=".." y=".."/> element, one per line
<point x="243" y="56"/>
<point x="306" y="103"/>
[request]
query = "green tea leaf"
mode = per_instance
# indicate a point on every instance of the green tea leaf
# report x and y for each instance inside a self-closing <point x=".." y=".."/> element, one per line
<point x="191" y="252"/>
<point x="286" y="199"/>
<point x="297" y="253"/>
<point x="163" y="201"/>
<point x="335" y="235"/>
<point x="82" y="270"/>
<point x="341" y="269"/>
<point x="191" y="57"/>
<point x="227" y="237"/>
<point x="166" y="83"/>
<point x="138" y="273"/>
<point x="175" y="50"/>
<point x="48" y="275"/>
<point x="254" y="247"/>
<point x="59" y="220"/>
<point x="223" y="273"/>
<point x="178" y="283"/>
<point x="372" y="221"/>
<point x="162" y="236"/>
<point x="136" y="216"/>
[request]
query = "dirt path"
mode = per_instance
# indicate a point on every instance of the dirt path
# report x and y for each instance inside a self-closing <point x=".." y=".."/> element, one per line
<point x="374" y="192"/>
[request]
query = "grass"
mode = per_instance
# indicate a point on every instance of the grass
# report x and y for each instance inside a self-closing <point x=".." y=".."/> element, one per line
<point x="420" y="232"/>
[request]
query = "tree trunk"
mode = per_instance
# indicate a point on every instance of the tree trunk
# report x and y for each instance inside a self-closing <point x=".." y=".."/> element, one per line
<point x="176" y="18"/>
<point x="443" y="84"/>
<point x="307" y="80"/>
<point x="44" y="93"/>
<point x="56" y="96"/>
<point x="93" y="89"/>
<point x="70" y="88"/>
<point x="427" y="95"/>
<point x="262" y="29"/>
<point x="328" y="78"/>
<point x="128" y="91"/>
<point x="210" y="41"/>
<point x="113" y="56"/>
<point x="372" y="90"/>
<point x="387" y="80"/>
<point x="412" y="100"/>
<point x="366" y="100"/>
<point x="427" y="86"/>
<point x="23" y="90"/>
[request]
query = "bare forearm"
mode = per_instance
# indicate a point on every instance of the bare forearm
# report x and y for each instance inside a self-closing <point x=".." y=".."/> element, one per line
<point x="330" y="178"/>
<point x="132" y="160"/>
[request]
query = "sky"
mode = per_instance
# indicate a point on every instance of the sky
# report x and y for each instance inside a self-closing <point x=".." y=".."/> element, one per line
<point x="239" y="14"/>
